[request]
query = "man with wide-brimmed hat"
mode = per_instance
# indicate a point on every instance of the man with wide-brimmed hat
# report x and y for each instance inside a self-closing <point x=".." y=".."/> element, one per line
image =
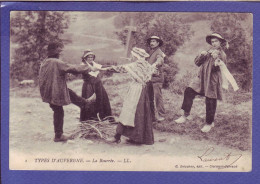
<point x="212" y="77"/>
<point x="53" y="87"/>
<point x="157" y="59"/>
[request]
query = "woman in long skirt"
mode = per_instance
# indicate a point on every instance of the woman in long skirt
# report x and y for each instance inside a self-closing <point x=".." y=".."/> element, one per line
<point x="135" y="120"/>
<point x="94" y="91"/>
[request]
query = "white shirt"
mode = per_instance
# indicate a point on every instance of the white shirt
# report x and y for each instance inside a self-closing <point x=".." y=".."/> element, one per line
<point x="95" y="74"/>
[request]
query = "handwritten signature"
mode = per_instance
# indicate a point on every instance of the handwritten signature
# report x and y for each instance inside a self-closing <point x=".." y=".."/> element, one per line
<point x="205" y="157"/>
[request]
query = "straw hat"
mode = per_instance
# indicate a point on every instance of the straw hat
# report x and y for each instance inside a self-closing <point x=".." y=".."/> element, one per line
<point x="156" y="38"/>
<point x="215" y="35"/>
<point x="139" y="53"/>
<point x="87" y="53"/>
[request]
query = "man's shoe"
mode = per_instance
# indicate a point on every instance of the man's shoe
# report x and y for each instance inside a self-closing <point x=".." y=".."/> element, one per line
<point x="207" y="127"/>
<point x="181" y="119"/>
<point x="63" y="138"/>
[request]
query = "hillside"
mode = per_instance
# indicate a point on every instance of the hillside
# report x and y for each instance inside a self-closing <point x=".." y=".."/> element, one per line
<point x="96" y="32"/>
<point x="186" y="54"/>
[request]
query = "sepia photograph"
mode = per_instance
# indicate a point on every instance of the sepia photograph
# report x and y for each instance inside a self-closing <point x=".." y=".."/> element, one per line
<point x="130" y="91"/>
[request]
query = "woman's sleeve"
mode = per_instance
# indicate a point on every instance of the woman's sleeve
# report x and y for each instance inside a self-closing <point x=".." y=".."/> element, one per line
<point x="200" y="59"/>
<point x="120" y="68"/>
<point x="98" y="66"/>
<point x="105" y="66"/>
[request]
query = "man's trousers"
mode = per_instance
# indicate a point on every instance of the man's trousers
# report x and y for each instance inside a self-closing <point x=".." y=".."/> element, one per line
<point x="211" y="104"/>
<point x="159" y="106"/>
<point x="58" y="112"/>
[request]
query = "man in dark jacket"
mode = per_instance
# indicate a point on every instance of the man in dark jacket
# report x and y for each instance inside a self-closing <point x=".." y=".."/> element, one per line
<point x="157" y="59"/>
<point x="53" y="87"/>
<point x="208" y="83"/>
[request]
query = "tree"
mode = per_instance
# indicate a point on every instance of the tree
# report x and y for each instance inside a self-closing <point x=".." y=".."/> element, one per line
<point x="31" y="31"/>
<point x="168" y="26"/>
<point x="238" y="29"/>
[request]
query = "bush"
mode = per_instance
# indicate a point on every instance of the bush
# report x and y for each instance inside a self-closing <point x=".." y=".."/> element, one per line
<point x="170" y="70"/>
<point x="237" y="28"/>
<point x="32" y="31"/>
<point x="179" y="85"/>
<point x="168" y="26"/>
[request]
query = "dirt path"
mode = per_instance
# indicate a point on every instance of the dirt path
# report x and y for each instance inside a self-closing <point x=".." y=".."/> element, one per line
<point x="31" y="132"/>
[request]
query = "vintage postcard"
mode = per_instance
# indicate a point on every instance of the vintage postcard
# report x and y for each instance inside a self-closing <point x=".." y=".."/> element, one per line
<point x="130" y="91"/>
<point x="165" y="92"/>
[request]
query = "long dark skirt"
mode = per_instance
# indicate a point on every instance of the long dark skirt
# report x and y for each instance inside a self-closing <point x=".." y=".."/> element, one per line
<point x="102" y="104"/>
<point x="143" y="131"/>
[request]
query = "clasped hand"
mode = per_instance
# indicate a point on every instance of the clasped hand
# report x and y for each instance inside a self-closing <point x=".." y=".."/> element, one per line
<point x="214" y="53"/>
<point x="109" y="68"/>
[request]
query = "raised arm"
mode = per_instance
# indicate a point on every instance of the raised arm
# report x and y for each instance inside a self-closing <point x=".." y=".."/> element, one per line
<point x="120" y="68"/>
<point x="159" y="60"/>
<point x="74" y="69"/>
<point x="117" y="69"/>
<point x="201" y="58"/>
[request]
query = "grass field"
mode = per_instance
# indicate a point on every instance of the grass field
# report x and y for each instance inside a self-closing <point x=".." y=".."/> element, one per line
<point x="233" y="120"/>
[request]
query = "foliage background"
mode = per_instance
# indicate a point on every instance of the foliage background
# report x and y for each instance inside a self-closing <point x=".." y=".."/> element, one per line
<point x="31" y="32"/>
<point x="183" y="35"/>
